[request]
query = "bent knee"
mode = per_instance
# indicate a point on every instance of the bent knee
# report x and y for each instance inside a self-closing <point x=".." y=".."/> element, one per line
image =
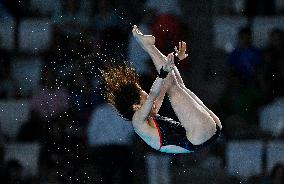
<point x="201" y="135"/>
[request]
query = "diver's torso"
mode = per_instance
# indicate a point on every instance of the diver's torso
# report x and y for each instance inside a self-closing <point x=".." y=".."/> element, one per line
<point x="149" y="132"/>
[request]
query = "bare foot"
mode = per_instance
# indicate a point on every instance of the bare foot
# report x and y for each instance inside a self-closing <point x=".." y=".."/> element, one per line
<point x="144" y="40"/>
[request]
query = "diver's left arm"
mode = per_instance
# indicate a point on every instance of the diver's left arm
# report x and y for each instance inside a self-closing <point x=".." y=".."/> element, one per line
<point x="142" y="114"/>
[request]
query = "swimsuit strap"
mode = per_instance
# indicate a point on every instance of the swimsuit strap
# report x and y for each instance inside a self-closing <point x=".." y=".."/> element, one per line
<point x="157" y="127"/>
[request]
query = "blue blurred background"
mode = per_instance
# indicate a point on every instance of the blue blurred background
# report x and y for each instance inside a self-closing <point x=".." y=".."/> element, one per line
<point x="56" y="128"/>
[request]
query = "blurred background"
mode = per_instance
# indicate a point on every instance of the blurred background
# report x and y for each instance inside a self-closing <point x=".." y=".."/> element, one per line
<point x="56" y="128"/>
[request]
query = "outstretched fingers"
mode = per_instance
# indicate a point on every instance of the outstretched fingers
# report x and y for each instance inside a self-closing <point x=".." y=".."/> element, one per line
<point x="183" y="48"/>
<point x="180" y="52"/>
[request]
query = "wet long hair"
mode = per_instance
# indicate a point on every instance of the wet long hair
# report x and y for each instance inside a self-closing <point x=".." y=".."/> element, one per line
<point x="121" y="88"/>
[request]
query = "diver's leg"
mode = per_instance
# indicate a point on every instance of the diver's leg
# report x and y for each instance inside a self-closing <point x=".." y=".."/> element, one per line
<point x="215" y="118"/>
<point x="198" y="123"/>
<point x="180" y="82"/>
<point x="147" y="42"/>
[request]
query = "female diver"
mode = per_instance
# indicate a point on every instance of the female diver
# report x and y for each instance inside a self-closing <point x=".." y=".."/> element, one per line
<point x="198" y="125"/>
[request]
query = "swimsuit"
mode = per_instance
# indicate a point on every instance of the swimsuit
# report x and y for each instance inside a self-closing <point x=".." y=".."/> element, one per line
<point x="173" y="133"/>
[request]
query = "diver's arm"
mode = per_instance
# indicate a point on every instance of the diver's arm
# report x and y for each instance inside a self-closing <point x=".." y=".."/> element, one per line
<point x="142" y="114"/>
<point x="144" y="111"/>
<point x="169" y="66"/>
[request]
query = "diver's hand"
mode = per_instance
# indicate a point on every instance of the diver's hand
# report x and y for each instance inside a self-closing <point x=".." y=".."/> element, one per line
<point x="169" y="64"/>
<point x="180" y="51"/>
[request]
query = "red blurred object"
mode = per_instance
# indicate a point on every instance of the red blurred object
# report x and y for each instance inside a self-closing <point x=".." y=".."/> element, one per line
<point x="167" y="30"/>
